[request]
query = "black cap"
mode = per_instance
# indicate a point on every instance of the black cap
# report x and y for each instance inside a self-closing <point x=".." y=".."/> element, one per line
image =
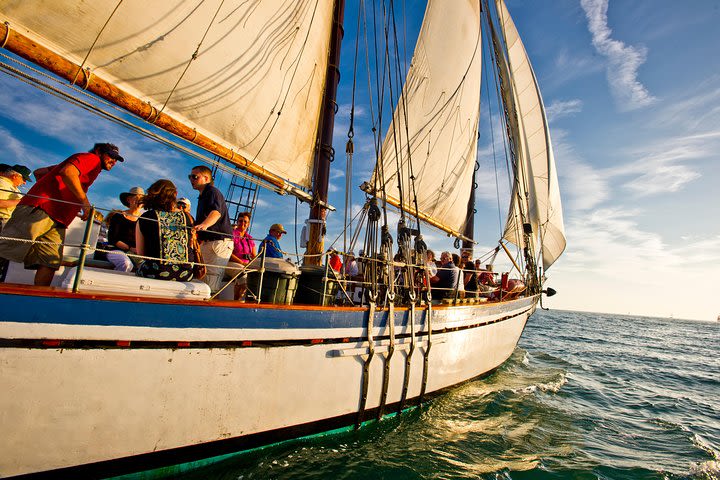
<point x="110" y="150"/>
<point x="24" y="171"/>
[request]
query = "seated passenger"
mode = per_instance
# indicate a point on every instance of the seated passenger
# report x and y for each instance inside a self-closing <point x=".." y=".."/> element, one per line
<point x="459" y="265"/>
<point x="470" y="279"/>
<point x="121" y="230"/>
<point x="164" y="232"/>
<point x="351" y="266"/>
<point x="243" y="253"/>
<point x="271" y="243"/>
<point x="487" y="277"/>
<point x="447" y="276"/>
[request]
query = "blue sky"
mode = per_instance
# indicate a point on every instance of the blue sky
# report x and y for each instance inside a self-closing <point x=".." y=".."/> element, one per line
<point x="632" y="90"/>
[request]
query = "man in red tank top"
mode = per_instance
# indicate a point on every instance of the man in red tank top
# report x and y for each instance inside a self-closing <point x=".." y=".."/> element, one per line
<point x="48" y="208"/>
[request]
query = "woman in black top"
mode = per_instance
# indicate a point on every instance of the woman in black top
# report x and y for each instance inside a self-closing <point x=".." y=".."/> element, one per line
<point x="121" y="230"/>
<point x="164" y="233"/>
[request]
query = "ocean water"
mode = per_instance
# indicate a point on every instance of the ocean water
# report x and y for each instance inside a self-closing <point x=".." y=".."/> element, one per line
<point x="585" y="396"/>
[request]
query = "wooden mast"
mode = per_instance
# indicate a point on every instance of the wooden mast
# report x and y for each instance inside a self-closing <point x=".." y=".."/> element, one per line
<point x="324" y="151"/>
<point x="469" y="230"/>
<point x="28" y="49"/>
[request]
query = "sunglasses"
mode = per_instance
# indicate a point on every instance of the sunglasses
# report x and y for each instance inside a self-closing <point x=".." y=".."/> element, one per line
<point x="193" y="176"/>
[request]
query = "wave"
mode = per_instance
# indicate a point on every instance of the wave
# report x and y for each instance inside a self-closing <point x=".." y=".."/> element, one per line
<point x="709" y="470"/>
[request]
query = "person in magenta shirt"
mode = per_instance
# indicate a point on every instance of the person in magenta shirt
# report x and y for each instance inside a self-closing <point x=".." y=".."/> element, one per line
<point x="243" y="252"/>
<point x="44" y="214"/>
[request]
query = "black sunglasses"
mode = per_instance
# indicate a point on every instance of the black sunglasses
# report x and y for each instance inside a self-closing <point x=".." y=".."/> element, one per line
<point x="193" y="176"/>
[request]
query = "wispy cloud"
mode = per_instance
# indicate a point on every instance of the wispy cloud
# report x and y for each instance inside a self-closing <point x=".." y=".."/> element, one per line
<point x="563" y="108"/>
<point x="698" y="110"/>
<point x="623" y="60"/>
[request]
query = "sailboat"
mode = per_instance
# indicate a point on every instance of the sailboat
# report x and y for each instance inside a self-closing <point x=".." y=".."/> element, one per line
<point x="100" y="382"/>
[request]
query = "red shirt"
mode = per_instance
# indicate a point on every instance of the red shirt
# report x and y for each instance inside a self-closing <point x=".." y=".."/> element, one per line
<point x="51" y="186"/>
<point x="335" y="262"/>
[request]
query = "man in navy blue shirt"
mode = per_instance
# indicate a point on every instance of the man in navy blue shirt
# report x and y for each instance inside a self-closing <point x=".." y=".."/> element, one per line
<point x="447" y="276"/>
<point x="212" y="224"/>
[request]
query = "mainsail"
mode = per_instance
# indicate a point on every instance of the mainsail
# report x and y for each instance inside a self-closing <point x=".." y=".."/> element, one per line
<point x="433" y="135"/>
<point x="534" y="150"/>
<point x="248" y="74"/>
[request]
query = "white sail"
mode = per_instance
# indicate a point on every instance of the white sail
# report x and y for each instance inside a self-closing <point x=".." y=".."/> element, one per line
<point x="438" y="111"/>
<point x="255" y="85"/>
<point x="535" y="149"/>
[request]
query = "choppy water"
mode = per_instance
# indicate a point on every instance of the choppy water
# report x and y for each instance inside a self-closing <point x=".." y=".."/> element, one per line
<point x="585" y="396"/>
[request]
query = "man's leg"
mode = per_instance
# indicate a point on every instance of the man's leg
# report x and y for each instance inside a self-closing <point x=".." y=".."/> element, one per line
<point x="44" y="276"/>
<point x="216" y="253"/>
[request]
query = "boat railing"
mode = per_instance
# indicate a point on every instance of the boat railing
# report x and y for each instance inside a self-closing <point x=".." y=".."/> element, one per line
<point x="351" y="288"/>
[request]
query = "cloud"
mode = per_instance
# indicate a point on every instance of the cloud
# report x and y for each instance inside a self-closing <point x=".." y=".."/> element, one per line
<point x="698" y="110"/>
<point x="623" y="60"/>
<point x="563" y="108"/>
<point x="663" y="179"/>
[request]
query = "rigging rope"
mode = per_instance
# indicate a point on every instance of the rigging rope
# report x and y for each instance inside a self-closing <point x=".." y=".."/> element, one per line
<point x="80" y="68"/>
<point x="192" y="58"/>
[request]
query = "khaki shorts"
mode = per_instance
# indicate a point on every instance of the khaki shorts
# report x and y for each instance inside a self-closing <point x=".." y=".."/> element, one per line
<point x="32" y="223"/>
<point x="232" y="269"/>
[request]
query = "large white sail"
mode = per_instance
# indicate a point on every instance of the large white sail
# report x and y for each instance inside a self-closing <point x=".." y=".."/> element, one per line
<point x="438" y="112"/>
<point x="255" y="85"/>
<point x="535" y="148"/>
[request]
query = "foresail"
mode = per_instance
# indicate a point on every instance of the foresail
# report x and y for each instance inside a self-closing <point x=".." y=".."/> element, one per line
<point x="535" y="148"/>
<point x="254" y="84"/>
<point x="438" y="113"/>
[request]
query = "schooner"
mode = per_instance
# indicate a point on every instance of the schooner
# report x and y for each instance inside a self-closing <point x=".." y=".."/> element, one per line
<point x="105" y="374"/>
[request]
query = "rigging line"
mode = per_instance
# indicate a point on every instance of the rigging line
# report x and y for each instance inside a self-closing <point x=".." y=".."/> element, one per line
<point x="492" y="128"/>
<point x="381" y="92"/>
<point x="369" y="73"/>
<point x="287" y="91"/>
<point x="358" y="214"/>
<point x="511" y="155"/>
<point x="403" y="99"/>
<point x="351" y="133"/>
<point x="397" y="139"/>
<point x="192" y="58"/>
<point x="510" y="89"/>
<point x="87" y="106"/>
<point x="80" y="68"/>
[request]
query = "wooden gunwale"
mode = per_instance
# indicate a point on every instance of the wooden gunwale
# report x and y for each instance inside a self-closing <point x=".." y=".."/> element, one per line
<point x="53" y="292"/>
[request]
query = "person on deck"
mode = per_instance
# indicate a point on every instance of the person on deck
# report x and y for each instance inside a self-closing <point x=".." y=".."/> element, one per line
<point x="335" y="261"/>
<point x="447" y="276"/>
<point x="470" y="278"/>
<point x="184" y="204"/>
<point x="271" y="243"/>
<point x="11" y="178"/>
<point x="121" y="230"/>
<point x="243" y="252"/>
<point x="164" y="232"/>
<point x="212" y="225"/>
<point x="487" y="277"/>
<point x="460" y="284"/>
<point x="48" y="208"/>
<point x="351" y="266"/>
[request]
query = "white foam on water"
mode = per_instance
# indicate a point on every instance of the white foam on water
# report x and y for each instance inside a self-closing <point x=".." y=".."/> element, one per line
<point x="709" y="470"/>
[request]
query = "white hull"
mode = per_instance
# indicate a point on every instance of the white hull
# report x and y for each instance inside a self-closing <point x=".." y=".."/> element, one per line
<point x="80" y="403"/>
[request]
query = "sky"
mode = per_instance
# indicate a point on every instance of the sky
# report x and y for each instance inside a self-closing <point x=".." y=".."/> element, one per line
<point x="632" y="91"/>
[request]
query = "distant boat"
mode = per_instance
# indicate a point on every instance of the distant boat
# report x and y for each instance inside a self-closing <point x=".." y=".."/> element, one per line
<point x="108" y="374"/>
